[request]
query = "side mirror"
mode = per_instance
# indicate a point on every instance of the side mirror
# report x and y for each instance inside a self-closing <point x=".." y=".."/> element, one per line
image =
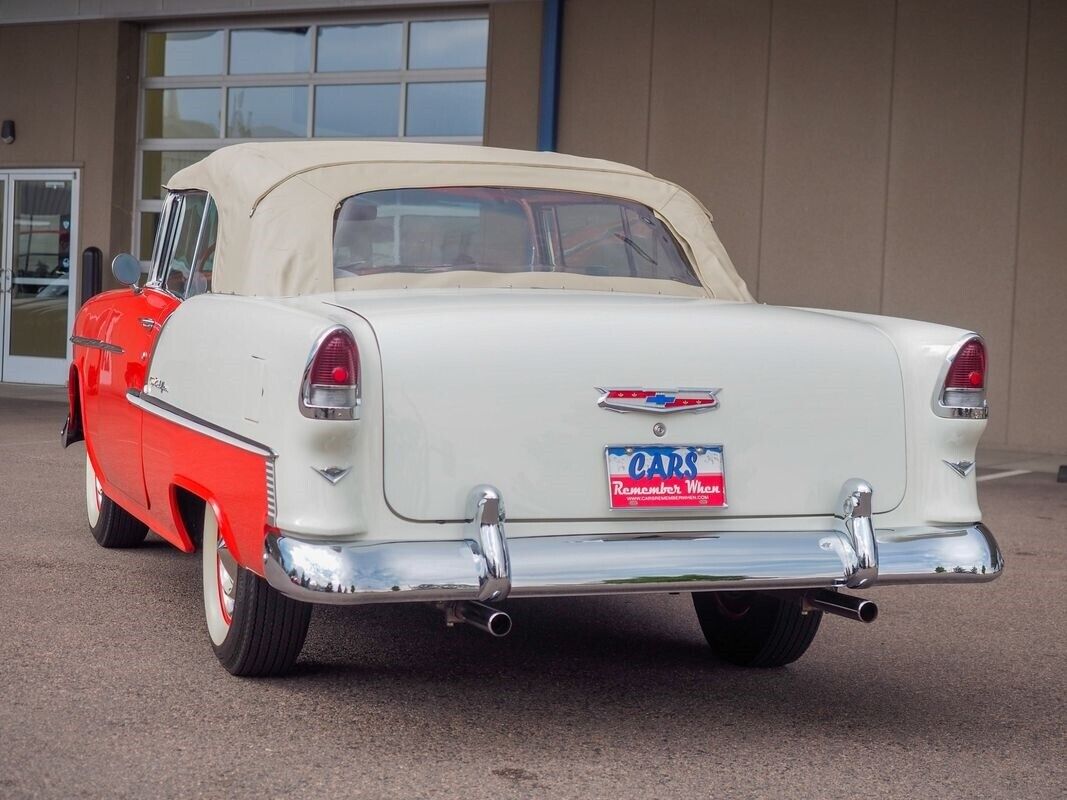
<point x="126" y="269"/>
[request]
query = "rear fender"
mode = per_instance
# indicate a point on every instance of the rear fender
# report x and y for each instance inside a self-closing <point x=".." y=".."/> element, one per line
<point x="73" y="430"/>
<point x="183" y="527"/>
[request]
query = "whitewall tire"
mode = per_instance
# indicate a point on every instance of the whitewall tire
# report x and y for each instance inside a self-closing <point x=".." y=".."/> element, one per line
<point x="254" y="629"/>
<point x="110" y="524"/>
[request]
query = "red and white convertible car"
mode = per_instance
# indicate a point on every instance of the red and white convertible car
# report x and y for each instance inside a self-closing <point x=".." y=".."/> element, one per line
<point x="351" y="357"/>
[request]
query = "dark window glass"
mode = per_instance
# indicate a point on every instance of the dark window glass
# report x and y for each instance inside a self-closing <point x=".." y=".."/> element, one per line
<point x="490" y="229"/>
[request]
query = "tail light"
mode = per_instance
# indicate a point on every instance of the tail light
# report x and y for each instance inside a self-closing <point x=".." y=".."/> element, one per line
<point x="962" y="392"/>
<point x="331" y="381"/>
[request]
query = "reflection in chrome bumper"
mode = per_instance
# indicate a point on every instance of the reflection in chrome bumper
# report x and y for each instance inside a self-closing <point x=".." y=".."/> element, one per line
<point x="382" y="572"/>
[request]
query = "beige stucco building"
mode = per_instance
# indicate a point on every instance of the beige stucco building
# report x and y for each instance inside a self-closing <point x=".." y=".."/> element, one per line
<point x="902" y="157"/>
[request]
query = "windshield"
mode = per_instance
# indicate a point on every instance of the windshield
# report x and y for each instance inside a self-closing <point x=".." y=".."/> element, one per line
<point x="503" y="230"/>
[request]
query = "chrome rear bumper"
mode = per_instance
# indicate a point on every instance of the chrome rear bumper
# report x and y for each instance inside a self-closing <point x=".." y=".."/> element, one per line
<point x="488" y="566"/>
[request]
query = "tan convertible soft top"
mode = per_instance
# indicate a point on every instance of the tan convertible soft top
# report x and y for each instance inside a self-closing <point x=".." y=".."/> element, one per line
<point x="276" y="205"/>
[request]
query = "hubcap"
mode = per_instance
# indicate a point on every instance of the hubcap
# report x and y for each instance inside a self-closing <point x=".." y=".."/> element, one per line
<point x="226" y="570"/>
<point x="99" y="494"/>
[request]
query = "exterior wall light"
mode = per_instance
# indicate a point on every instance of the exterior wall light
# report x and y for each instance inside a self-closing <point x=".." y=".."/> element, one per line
<point x="7" y="131"/>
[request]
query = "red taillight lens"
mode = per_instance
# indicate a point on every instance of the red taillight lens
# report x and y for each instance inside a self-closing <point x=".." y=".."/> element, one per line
<point x="330" y="385"/>
<point x="335" y="362"/>
<point x="968" y="368"/>
<point x="963" y="392"/>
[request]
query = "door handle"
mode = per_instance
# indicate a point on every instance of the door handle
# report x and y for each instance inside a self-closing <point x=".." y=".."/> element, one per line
<point x="148" y="323"/>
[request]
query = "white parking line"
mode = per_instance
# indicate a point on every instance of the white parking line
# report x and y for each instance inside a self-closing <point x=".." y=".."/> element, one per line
<point x="1011" y="473"/>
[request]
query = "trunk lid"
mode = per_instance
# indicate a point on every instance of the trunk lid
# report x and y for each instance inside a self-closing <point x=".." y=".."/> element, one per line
<point x="500" y="387"/>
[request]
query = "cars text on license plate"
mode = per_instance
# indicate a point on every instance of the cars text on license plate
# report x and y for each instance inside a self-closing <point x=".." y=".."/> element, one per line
<point x="666" y="476"/>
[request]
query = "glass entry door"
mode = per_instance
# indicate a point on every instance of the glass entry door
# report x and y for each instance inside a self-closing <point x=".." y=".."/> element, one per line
<point x="38" y="237"/>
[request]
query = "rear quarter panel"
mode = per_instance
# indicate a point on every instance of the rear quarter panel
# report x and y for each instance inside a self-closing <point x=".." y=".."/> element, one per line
<point x="238" y="363"/>
<point x="935" y="493"/>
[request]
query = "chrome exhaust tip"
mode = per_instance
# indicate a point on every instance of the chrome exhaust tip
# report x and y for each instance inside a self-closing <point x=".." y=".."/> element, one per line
<point x="843" y="605"/>
<point x="484" y="617"/>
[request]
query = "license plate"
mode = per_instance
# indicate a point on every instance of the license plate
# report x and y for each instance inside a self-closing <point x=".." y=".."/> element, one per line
<point x="651" y="476"/>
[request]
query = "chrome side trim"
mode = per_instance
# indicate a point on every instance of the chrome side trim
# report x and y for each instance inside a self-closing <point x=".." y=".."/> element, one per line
<point x="156" y="407"/>
<point x="854" y="511"/>
<point x="957" y="412"/>
<point x="99" y="344"/>
<point x="358" y="572"/>
<point x="485" y="509"/>
<point x="272" y="491"/>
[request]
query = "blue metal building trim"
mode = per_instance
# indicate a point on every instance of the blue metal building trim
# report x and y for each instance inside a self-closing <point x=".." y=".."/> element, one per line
<point x="551" y="34"/>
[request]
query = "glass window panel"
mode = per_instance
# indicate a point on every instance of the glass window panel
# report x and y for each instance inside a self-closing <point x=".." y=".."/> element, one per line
<point x="183" y="251"/>
<point x="492" y="229"/>
<point x="269" y="112"/>
<point x="40" y="261"/>
<point x="363" y="110"/>
<point x="203" y="263"/>
<point x="184" y="53"/>
<point x="149" y="224"/>
<point x="182" y="113"/>
<point x="270" y="50"/>
<point x="446" y="109"/>
<point x="448" y="44"/>
<point x="349" y="48"/>
<point x="158" y="166"/>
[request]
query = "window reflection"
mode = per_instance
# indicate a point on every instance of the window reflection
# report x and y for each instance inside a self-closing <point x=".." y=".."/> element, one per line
<point x="40" y="261"/>
<point x="268" y="112"/>
<point x="158" y="166"/>
<point x="182" y="113"/>
<point x="351" y="48"/>
<point x="270" y="50"/>
<point x="363" y="110"/>
<point x="448" y="44"/>
<point x="184" y="53"/>
<point x="446" y="109"/>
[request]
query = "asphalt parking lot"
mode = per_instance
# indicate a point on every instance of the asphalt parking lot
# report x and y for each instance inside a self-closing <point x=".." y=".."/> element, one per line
<point x="108" y="687"/>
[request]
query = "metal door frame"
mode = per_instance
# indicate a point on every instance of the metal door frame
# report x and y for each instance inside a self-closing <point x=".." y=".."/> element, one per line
<point x="36" y="369"/>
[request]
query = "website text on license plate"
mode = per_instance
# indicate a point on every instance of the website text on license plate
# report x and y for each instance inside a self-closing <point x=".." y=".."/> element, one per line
<point x="666" y="476"/>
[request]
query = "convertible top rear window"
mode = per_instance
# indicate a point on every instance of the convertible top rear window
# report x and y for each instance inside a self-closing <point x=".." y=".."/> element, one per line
<point x="503" y="230"/>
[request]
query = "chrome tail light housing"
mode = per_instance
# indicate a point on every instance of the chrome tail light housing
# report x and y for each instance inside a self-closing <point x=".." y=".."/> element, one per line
<point x="330" y="388"/>
<point x="961" y="387"/>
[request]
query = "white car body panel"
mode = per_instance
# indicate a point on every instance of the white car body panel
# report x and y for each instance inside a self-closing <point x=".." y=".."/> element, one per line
<point x="499" y="387"/>
<point x="866" y="387"/>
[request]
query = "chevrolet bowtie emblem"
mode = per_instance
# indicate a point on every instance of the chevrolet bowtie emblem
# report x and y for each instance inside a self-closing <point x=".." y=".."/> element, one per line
<point x="658" y="401"/>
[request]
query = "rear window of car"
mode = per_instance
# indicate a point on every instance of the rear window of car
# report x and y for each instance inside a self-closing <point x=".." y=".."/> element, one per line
<point x="503" y="230"/>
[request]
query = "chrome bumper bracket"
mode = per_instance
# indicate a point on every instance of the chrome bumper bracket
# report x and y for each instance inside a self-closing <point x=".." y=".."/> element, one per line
<point x="854" y="506"/>
<point x="485" y="510"/>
